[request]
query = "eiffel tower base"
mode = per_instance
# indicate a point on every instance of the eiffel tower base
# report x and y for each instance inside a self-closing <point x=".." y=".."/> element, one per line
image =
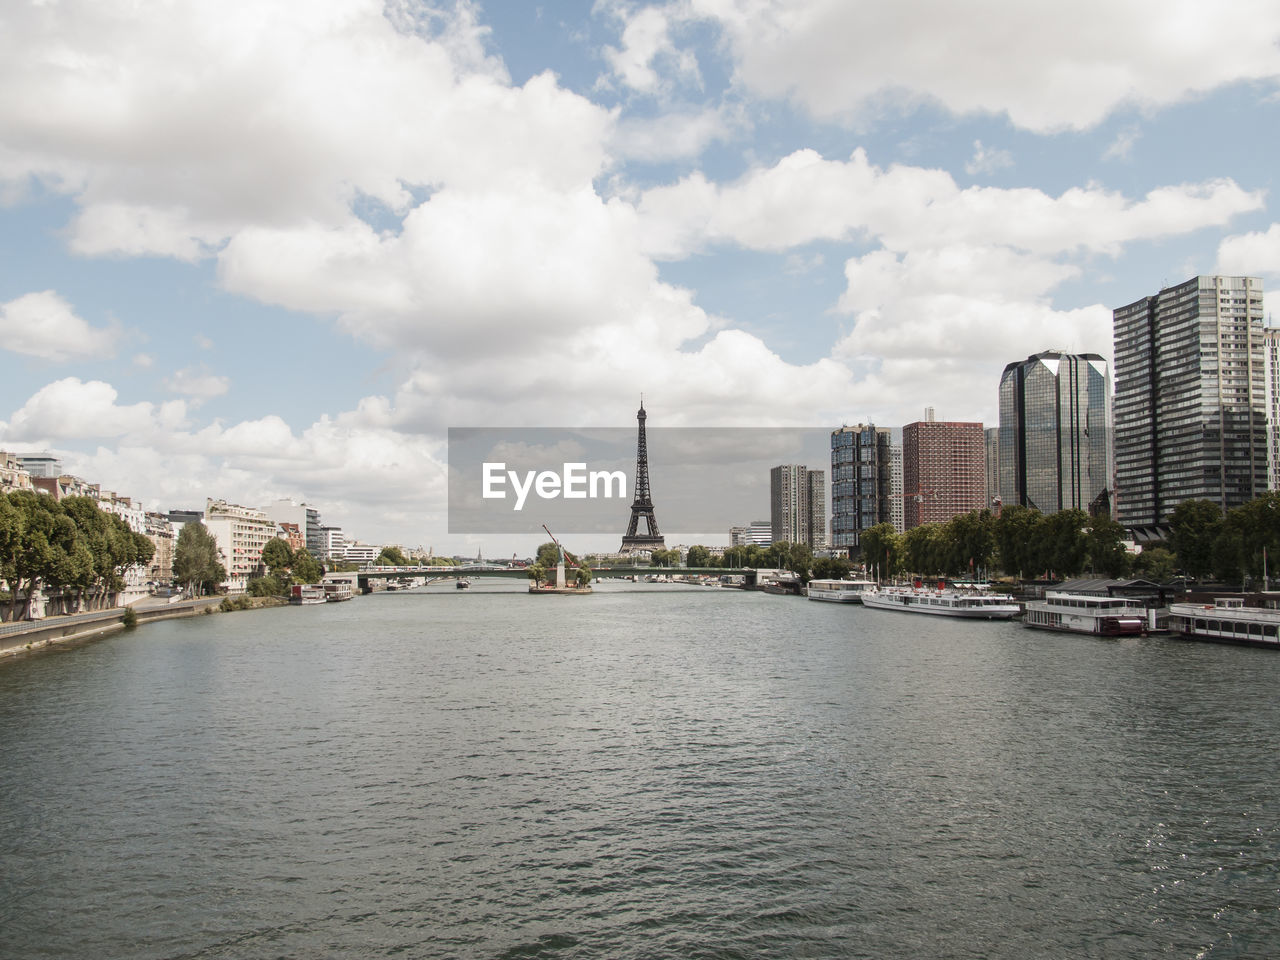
<point x="633" y="545"/>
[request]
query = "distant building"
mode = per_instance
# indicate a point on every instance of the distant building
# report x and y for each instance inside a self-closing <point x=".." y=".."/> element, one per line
<point x="798" y="505"/>
<point x="65" y="485"/>
<point x="360" y="553"/>
<point x="332" y="544"/>
<point x="1271" y="364"/>
<point x="164" y="536"/>
<point x="1190" y="398"/>
<point x="304" y="517"/>
<point x="291" y="535"/>
<point x="180" y="518"/>
<point x="861" y="484"/>
<point x="758" y="532"/>
<point x="41" y="464"/>
<point x="12" y="474"/>
<point x="943" y="471"/>
<point x="991" y="457"/>
<point x="241" y="534"/>
<point x="1054" y="439"/>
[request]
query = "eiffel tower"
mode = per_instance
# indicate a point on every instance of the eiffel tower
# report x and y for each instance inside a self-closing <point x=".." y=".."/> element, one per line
<point x="642" y="506"/>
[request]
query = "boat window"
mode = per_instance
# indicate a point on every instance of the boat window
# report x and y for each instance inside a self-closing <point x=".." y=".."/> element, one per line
<point x="1255" y="630"/>
<point x="1269" y="630"/>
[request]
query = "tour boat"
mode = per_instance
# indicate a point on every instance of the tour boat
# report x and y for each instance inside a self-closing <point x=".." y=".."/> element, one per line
<point x="944" y="602"/>
<point x="1080" y="613"/>
<point x="462" y="584"/>
<point x="305" y="593"/>
<point x="839" y="591"/>
<point x="1226" y="620"/>
<point x="337" y="592"/>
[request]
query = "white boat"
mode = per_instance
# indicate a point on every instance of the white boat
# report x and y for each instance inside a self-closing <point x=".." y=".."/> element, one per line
<point x="337" y="592"/>
<point x="306" y="593"/>
<point x="839" y="591"/>
<point x="1080" y="613"/>
<point x="462" y="584"/>
<point x="944" y="602"/>
<point x="1226" y="620"/>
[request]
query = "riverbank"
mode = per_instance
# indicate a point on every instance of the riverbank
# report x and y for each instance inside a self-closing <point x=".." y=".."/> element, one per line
<point x="18" y="639"/>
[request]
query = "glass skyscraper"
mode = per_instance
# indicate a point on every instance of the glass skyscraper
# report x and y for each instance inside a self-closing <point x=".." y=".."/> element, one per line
<point x="1190" y="402"/>
<point x="1054" y="449"/>
<point x="861" y="484"/>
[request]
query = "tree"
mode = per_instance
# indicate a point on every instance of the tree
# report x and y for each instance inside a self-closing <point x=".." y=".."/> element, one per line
<point x="1018" y="537"/>
<point x="537" y="573"/>
<point x="881" y="549"/>
<point x="699" y="556"/>
<point x="1156" y="564"/>
<point x="277" y="557"/>
<point x="830" y="568"/>
<point x="392" y="556"/>
<point x="1066" y="541"/>
<point x="584" y="575"/>
<point x="1194" y="527"/>
<point x="1106" y="548"/>
<point x="40" y="537"/>
<point x="1258" y="522"/>
<point x="306" y="568"/>
<point x="195" y="560"/>
<point x="970" y="542"/>
<point x="548" y="555"/>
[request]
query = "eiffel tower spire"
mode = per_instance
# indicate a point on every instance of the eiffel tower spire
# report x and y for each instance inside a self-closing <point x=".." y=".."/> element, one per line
<point x="642" y="505"/>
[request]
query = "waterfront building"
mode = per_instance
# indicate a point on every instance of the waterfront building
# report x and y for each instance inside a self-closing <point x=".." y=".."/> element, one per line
<point x="304" y="517"/>
<point x="991" y="458"/>
<point x="798" y="505"/>
<point x="164" y="536"/>
<point x="12" y="474"/>
<point x="180" y="518"/>
<point x="861" y="483"/>
<point x="1054" y="444"/>
<point x="291" y="535"/>
<point x="65" y="485"/>
<point x="1271" y="364"/>
<point x="1190" y="398"/>
<point x="241" y="533"/>
<point x="896" y="515"/>
<point x="943" y="471"/>
<point x="332" y="544"/>
<point x="360" y="552"/>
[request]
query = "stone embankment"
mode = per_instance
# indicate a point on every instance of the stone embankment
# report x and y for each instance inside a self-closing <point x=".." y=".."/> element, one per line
<point x="32" y="635"/>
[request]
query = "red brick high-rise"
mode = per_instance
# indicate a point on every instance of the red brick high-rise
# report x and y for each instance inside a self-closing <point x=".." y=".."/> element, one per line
<point x="944" y="471"/>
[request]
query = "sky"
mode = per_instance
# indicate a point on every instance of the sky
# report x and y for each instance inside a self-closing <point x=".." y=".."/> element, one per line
<point x="260" y="249"/>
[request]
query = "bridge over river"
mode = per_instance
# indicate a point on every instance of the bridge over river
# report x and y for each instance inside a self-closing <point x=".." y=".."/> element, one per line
<point x="363" y="579"/>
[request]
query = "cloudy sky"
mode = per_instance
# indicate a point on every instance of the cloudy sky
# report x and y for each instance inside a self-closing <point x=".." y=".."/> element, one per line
<point x="260" y="248"/>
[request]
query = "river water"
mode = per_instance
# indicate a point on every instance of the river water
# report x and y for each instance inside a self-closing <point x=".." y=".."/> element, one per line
<point x="652" y="771"/>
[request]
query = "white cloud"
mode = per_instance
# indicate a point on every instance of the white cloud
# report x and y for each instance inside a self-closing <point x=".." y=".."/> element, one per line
<point x="1251" y="254"/>
<point x="987" y="159"/>
<point x="196" y="383"/>
<point x="44" y="325"/>
<point x="1122" y="146"/>
<point x="71" y="409"/>
<point x="804" y="197"/>
<point x="1047" y="67"/>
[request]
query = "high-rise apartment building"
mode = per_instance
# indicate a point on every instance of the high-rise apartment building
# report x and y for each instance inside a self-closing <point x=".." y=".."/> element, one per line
<point x="943" y="471"/>
<point x="798" y="505"/>
<point x="1190" y="398"/>
<point x="241" y="534"/>
<point x="1055" y="452"/>
<point x="861" y="483"/>
<point x="1271" y="363"/>
<point x="991" y="458"/>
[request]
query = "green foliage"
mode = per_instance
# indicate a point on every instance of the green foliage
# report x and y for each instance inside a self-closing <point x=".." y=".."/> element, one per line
<point x="268" y="586"/>
<point x="1194" y="529"/>
<point x="1107" y="553"/>
<point x="537" y="573"/>
<point x="277" y="557"/>
<point x="882" y="549"/>
<point x="830" y="568"/>
<point x="664" y="558"/>
<point x="1156" y="564"/>
<point x="584" y="576"/>
<point x="548" y="555"/>
<point x="392" y="557"/>
<point x="129" y="618"/>
<point x="195" y="560"/>
<point x="306" y="568"/>
<point x="698" y="556"/>
<point x="232" y="604"/>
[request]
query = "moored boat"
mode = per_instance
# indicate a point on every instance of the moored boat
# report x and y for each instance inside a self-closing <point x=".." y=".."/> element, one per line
<point x="839" y="591"/>
<point x="462" y="584"/>
<point x="337" y="592"/>
<point x="1226" y="620"/>
<point x="944" y="602"/>
<point x="306" y="593"/>
<point x="1082" y="613"/>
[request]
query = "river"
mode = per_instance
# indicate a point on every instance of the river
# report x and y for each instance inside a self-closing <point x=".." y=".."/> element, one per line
<point x="651" y="771"/>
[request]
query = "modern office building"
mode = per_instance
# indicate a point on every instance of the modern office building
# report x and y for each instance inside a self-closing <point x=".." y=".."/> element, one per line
<point x="943" y="471"/>
<point x="862" y="495"/>
<point x="759" y="532"/>
<point x="305" y="518"/>
<point x="991" y="457"/>
<point x="41" y="464"/>
<point x="1190" y="398"/>
<point x="1054" y="448"/>
<point x="798" y="505"/>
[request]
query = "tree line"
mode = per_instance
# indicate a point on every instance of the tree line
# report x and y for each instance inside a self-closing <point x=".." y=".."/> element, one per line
<point x="70" y="544"/>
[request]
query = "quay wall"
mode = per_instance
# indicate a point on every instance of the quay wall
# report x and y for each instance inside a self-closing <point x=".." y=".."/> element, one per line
<point x="29" y="636"/>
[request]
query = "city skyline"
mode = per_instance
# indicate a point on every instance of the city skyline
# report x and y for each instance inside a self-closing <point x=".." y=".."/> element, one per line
<point x="287" y="273"/>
